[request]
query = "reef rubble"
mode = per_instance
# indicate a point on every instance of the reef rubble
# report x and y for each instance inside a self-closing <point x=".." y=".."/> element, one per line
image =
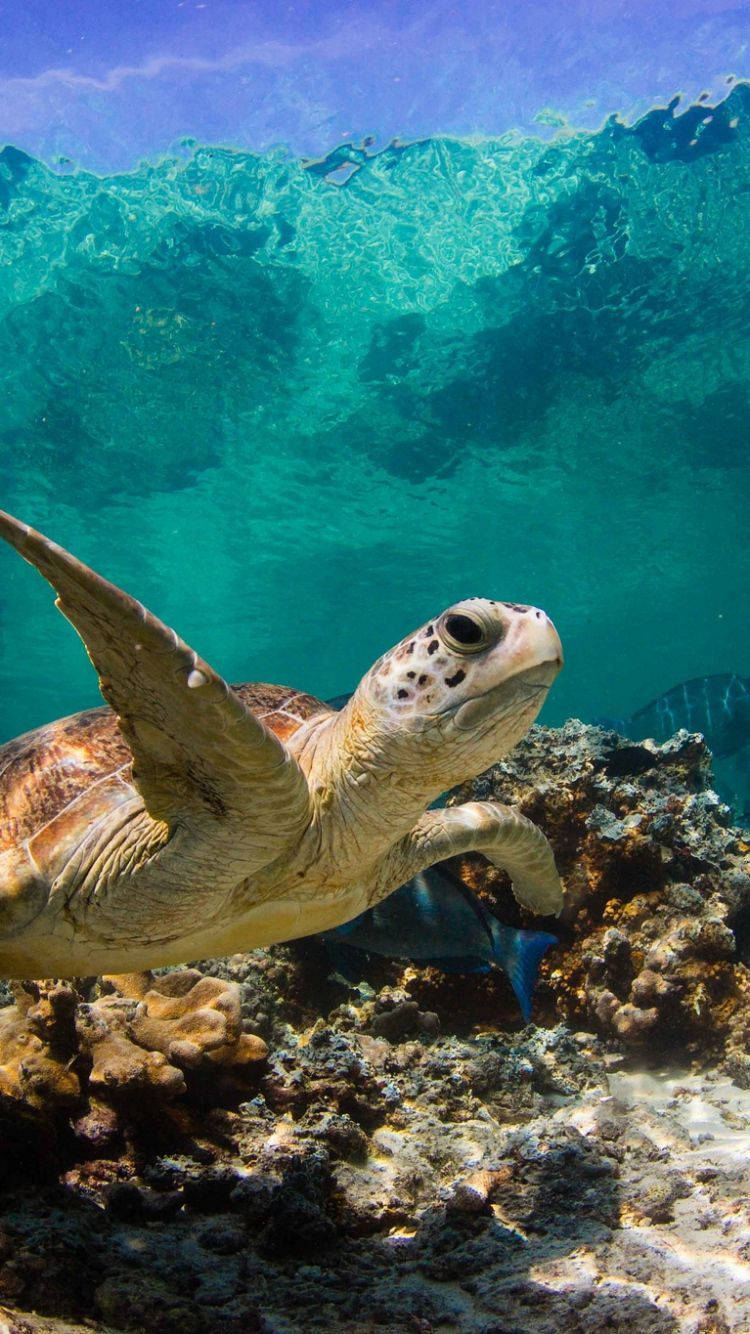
<point x="657" y="889"/>
<point x="258" y="1144"/>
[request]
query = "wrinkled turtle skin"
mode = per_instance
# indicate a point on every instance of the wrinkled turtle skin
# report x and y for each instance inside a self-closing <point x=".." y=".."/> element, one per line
<point x="191" y="818"/>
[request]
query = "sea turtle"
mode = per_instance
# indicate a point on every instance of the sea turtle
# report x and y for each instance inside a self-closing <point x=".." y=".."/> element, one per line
<point x="195" y="819"/>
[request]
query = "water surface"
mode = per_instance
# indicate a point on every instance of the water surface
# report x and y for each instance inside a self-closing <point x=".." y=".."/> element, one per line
<point x="297" y="408"/>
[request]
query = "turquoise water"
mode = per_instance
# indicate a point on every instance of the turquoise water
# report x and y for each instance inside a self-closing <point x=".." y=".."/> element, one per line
<point x="299" y="408"/>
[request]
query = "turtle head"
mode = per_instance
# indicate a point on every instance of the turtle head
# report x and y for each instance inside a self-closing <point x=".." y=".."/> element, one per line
<point x="458" y="693"/>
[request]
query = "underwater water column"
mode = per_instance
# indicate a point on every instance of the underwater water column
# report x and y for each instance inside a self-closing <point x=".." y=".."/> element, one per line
<point x="319" y="301"/>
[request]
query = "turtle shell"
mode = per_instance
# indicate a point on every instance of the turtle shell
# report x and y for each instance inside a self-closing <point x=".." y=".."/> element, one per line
<point x="43" y="771"/>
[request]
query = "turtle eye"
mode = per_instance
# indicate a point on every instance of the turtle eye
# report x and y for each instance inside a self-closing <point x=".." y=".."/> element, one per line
<point x="463" y="633"/>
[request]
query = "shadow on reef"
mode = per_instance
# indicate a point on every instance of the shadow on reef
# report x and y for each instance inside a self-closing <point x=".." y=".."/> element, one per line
<point x="182" y="1246"/>
<point x="252" y="1145"/>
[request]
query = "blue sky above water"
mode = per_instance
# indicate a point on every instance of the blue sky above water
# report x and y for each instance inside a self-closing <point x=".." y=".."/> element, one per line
<point x="107" y="86"/>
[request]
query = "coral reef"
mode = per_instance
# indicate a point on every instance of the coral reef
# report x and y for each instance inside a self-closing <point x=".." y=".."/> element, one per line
<point x="497" y="1184"/>
<point x="657" y="889"/>
<point x="409" y="1157"/>
<point x="139" y="1038"/>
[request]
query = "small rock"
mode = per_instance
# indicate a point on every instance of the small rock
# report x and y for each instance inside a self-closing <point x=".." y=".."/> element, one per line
<point x="394" y="1024"/>
<point x="467" y="1198"/>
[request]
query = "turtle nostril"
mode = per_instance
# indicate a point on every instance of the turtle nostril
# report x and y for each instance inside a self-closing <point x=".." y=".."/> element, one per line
<point x="538" y="615"/>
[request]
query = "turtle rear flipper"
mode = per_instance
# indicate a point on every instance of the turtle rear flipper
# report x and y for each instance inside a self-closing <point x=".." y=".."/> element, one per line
<point x="201" y="759"/>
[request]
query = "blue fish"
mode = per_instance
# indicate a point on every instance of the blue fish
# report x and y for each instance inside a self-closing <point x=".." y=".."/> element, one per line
<point x="435" y="919"/>
<point x="718" y="706"/>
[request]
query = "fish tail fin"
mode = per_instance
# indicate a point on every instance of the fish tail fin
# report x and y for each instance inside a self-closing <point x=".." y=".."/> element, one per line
<point x="519" y="954"/>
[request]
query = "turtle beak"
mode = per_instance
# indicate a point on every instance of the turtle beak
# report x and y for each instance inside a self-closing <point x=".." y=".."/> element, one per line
<point x="525" y="686"/>
<point x="535" y="657"/>
<point x="541" y="677"/>
<point x="541" y="643"/>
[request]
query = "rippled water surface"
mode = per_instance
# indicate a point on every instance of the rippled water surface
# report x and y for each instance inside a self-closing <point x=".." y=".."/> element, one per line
<point x="298" y="408"/>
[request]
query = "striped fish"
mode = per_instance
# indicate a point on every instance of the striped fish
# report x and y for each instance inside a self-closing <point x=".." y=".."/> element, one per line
<point x="718" y="706"/>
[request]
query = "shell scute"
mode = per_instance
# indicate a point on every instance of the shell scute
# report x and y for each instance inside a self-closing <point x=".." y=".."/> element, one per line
<point x="44" y="774"/>
<point x="56" y="842"/>
<point x="282" y="709"/>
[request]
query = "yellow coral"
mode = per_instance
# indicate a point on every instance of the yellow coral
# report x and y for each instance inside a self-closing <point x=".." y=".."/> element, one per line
<point x="140" y="1037"/>
<point x="189" y="1018"/>
<point x="34" y="1062"/>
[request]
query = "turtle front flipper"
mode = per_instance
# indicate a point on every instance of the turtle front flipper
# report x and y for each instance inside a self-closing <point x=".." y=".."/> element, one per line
<point x="501" y="833"/>
<point x="201" y="759"/>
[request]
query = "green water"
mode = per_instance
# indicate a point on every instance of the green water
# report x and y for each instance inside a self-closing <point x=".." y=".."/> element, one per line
<point x="298" y="413"/>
